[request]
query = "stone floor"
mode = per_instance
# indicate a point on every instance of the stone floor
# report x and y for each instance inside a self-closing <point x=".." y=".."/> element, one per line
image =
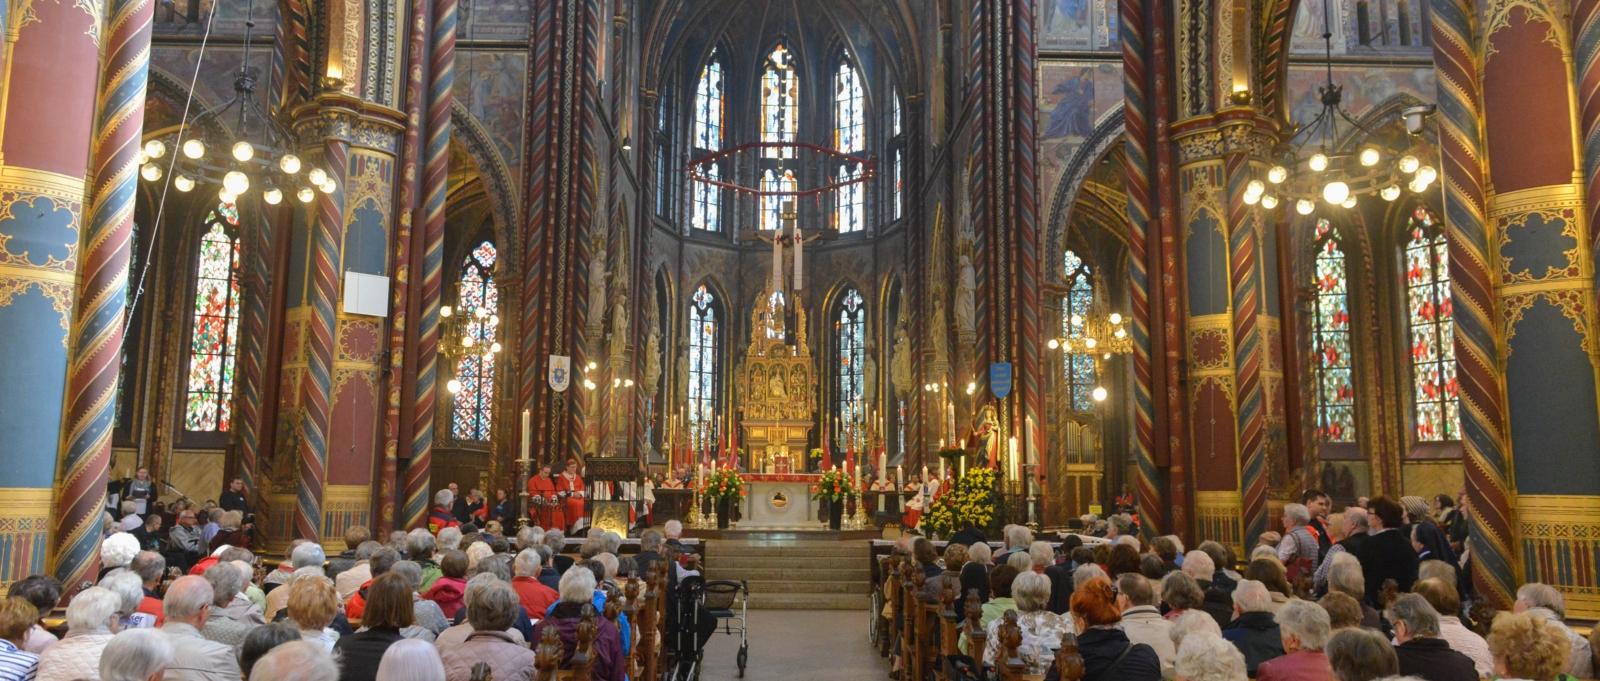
<point x="787" y="644"/>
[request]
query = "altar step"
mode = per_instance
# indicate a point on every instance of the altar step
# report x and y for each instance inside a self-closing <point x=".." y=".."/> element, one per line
<point x="795" y="574"/>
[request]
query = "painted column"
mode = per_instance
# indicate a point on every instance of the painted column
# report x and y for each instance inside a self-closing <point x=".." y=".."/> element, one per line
<point x="104" y="249"/>
<point x="49" y="63"/>
<point x="1537" y="223"/>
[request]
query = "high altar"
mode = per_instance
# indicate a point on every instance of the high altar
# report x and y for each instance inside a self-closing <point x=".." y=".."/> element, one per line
<point x="776" y="389"/>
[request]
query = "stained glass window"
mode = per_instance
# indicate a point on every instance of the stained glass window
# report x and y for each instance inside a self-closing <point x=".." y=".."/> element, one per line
<point x="703" y="366"/>
<point x="849" y="109"/>
<point x="1330" y="338"/>
<point x="472" y="418"/>
<point x="782" y="180"/>
<point x="1433" y="353"/>
<point x="776" y="304"/>
<point x="850" y="329"/>
<point x="780" y="102"/>
<point x="213" y="338"/>
<point x="850" y="213"/>
<point x="1078" y="368"/>
<point x="898" y="152"/>
<point x="708" y="108"/>
<point x="708" y="201"/>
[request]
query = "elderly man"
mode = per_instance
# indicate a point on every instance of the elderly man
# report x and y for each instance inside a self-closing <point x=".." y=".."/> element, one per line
<point x="186" y="541"/>
<point x="1018" y="539"/>
<point x="1142" y="621"/>
<point x="441" y="517"/>
<point x="141" y="654"/>
<point x="150" y="567"/>
<point x="1303" y="629"/>
<point x="224" y="623"/>
<point x="297" y="661"/>
<point x="1298" y="549"/>
<point x="305" y="559"/>
<point x="1446" y="601"/>
<point x="91" y="621"/>
<point x="419" y="549"/>
<point x="1544" y="602"/>
<point x="360" y="572"/>
<point x="186" y="610"/>
<point x="1253" y="630"/>
<point x="1421" y="651"/>
<point x="1218" y="602"/>
<point x="533" y="594"/>
<point x="1119" y="525"/>
<point x="649" y="552"/>
<point x="1355" y="534"/>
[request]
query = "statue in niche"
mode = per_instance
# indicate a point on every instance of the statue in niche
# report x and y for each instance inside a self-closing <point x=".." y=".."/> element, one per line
<point x="967" y="297"/>
<point x="869" y="374"/>
<point x="597" y="289"/>
<point x="940" y="329"/>
<point x="652" y="358"/>
<point x="619" y="325"/>
<point x="900" y="362"/>
<point x="984" y="442"/>
<point x="758" y="382"/>
<point x="683" y="376"/>
<point x="776" y="384"/>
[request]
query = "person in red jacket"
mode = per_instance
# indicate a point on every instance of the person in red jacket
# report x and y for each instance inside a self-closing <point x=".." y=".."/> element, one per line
<point x="441" y="517"/>
<point x="450" y="589"/>
<point x="572" y="484"/>
<point x="543" y="505"/>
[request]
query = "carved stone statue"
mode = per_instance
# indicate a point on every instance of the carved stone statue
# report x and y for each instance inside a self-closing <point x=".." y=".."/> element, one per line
<point x="682" y="388"/>
<point x="940" y="330"/>
<point x="619" y="325"/>
<point x="776" y="385"/>
<point x="652" y="359"/>
<point x="869" y="374"/>
<point x="597" y="289"/>
<point x="984" y="442"/>
<point x="900" y="361"/>
<point x="966" y="298"/>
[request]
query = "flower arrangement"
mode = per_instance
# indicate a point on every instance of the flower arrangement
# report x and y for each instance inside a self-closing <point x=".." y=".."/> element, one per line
<point x="834" y="485"/>
<point x="816" y="452"/>
<point x="724" y="483"/>
<point x="971" y="502"/>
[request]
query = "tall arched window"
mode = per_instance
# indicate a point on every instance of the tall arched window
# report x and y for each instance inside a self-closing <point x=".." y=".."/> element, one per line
<point x="703" y="366"/>
<point x="897" y="150"/>
<point x="1079" y="371"/>
<point x="213" y="337"/>
<point x="850" y="342"/>
<point x="780" y="180"/>
<point x="780" y="119"/>
<point x="1436" y="412"/>
<point x="709" y="112"/>
<point x="1330" y="340"/>
<point x="472" y="418"/>
<point x="849" y="136"/>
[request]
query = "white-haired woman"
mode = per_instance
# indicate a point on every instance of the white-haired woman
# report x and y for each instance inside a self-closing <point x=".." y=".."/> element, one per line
<point x="92" y="620"/>
<point x="1205" y="656"/>
<point x="136" y="655"/>
<point x="1041" y="629"/>
<point x="577" y="593"/>
<point x="411" y="660"/>
<point x="130" y="589"/>
<point x="1190" y="623"/>
<point x="1303" y="627"/>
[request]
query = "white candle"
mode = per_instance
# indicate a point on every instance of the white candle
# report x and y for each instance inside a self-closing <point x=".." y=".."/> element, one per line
<point x="899" y="477"/>
<point x="527" y="433"/>
<point x="1015" y="470"/>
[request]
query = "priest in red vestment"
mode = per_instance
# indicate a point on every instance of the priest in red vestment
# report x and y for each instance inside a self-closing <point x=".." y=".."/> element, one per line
<point x="572" y="484"/>
<point x="543" y="507"/>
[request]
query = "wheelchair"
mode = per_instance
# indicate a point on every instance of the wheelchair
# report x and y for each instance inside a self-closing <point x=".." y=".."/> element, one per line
<point x="700" y="609"/>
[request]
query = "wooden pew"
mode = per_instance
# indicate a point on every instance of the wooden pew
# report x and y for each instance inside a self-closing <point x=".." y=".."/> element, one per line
<point x="1008" y="662"/>
<point x="911" y="580"/>
<point x="1069" y="661"/>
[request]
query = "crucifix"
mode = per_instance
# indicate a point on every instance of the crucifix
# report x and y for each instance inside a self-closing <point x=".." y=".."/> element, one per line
<point x="787" y="235"/>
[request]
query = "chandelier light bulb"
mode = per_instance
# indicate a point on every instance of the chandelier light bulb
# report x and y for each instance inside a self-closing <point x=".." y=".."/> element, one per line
<point x="454" y="386"/>
<point x="150" y="171"/>
<point x="1255" y="187"/>
<point x="616" y="382"/>
<point x="289" y="164"/>
<point x="1318" y="162"/>
<point x="1304" y="206"/>
<point x="1390" y="192"/>
<point x="494" y="348"/>
<point x="480" y="312"/>
<point x="183" y="183"/>
<point x="1269" y="202"/>
<point x="305" y="195"/>
<point x="627" y="383"/>
<point x="1277" y="174"/>
<point x="155" y="149"/>
<point x="1369" y="157"/>
<point x="1099" y="393"/>
<point x="226" y="196"/>
<point x="242" y="151"/>
<point x="317" y="176"/>
<point x="1427" y="174"/>
<point x="273" y="196"/>
<point x="445" y="311"/>
<point x="1119" y="334"/>
<point x="1077" y="320"/>
<point x="972" y="387"/>
<point x="194" y="149"/>
<point x="1335" y="192"/>
<point x="1252" y="199"/>
<point x="1417" y="186"/>
<point x="1349" y="203"/>
<point x="1409" y="164"/>
<point x="592" y="366"/>
<point x="1115" y="318"/>
<point x="329" y="187"/>
<point x="236" y="182"/>
<point x="1090" y="343"/>
<point x="467" y="341"/>
<point x="494" y="320"/>
<point x="1053" y="344"/>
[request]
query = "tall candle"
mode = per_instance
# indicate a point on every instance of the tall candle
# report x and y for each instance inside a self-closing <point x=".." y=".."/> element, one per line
<point x="527" y="433"/>
<point x="1015" y="468"/>
<point x="899" y="477"/>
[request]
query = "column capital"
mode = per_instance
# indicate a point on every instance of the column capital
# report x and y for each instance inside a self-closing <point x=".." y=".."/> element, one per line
<point x="1240" y="130"/>
<point x="352" y="120"/>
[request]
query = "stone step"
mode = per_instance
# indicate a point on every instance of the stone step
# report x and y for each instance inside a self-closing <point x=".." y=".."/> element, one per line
<point x="820" y="550"/>
<point x="857" y="602"/>
<point x="718" y="561"/>
<point x="829" y="572"/>
<point x="793" y="587"/>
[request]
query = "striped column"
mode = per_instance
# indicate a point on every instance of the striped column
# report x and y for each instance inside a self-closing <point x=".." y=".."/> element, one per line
<point x="436" y="153"/>
<point x="1586" y="62"/>
<point x="104" y="249"/>
<point x="1244" y="277"/>
<point x="49" y="61"/>
<point x="1147" y="484"/>
<point x="316" y="384"/>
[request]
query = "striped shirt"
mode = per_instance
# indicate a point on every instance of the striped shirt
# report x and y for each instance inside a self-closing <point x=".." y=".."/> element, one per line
<point x="17" y="665"/>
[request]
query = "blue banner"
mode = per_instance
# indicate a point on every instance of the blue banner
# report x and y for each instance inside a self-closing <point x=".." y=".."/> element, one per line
<point x="1000" y="379"/>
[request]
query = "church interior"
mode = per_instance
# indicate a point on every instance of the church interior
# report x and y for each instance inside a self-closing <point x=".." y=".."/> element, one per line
<point x="836" y="273"/>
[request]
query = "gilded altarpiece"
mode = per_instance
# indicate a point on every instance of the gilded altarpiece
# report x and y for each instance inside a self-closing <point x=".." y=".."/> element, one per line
<point x="776" y="389"/>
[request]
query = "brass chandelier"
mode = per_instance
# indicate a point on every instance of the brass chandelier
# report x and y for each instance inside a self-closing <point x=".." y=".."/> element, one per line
<point x="459" y="336"/>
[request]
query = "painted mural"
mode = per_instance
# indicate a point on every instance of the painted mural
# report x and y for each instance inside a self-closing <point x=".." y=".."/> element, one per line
<point x="217" y="73"/>
<point x="1073" y="96"/>
<point x="490" y="85"/>
<point x="1364" y="87"/>
<point x="1362" y="27"/>
<point x="1081" y="25"/>
<point x="189" y="17"/>
<point x="493" y="20"/>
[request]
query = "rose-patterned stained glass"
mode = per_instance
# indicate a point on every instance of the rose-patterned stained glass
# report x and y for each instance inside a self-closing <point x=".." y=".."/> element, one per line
<point x="849" y="109"/>
<point x="850" y="402"/>
<point x="780" y="102"/>
<point x="1330" y="338"/>
<point x="708" y="201"/>
<point x="213" y="336"/>
<point x="472" y="414"/>
<point x="850" y="211"/>
<point x="780" y="180"/>
<point x="703" y="366"/>
<point x="708" y="105"/>
<point x="1436" y="408"/>
<point x="1078" y="368"/>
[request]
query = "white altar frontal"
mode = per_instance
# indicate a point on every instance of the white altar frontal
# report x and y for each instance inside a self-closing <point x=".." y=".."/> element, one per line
<point x="780" y="502"/>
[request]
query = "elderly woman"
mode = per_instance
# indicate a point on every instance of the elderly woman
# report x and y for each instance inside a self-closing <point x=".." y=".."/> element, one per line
<point x="1527" y="647"/>
<point x="955" y="557"/>
<point x="230" y="532"/>
<point x="1208" y="657"/>
<point x="1041" y="629"/>
<point x="1361" y="655"/>
<point x="17" y="616"/>
<point x="313" y="602"/>
<point x="577" y="595"/>
<point x="389" y="612"/>
<point x="1180" y="592"/>
<point x="92" y="620"/>
<point x="130" y="589"/>
<point x="1303" y="627"/>
<point x="407" y="661"/>
<point x="451" y="585"/>
<point x="429" y="620"/>
<point x="1124" y="558"/>
<point x="494" y="609"/>
<point x="1108" y="655"/>
<point x="927" y="557"/>
<point x="1544" y="602"/>
<point x="136" y="655"/>
<point x="1346" y="576"/>
<point x="1253" y="630"/>
<point x="1194" y="622"/>
<point x="1343" y="611"/>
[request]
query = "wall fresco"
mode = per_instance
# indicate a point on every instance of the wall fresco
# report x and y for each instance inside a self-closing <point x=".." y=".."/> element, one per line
<point x="1073" y="96"/>
<point x="1362" y="27"/>
<point x="490" y="85"/>
<point x="1077" y="25"/>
